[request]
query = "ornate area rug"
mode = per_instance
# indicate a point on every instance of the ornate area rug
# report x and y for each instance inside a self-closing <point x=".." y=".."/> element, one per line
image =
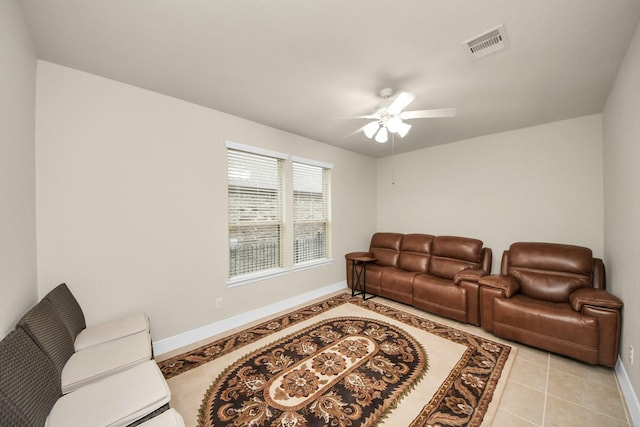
<point x="341" y="362"/>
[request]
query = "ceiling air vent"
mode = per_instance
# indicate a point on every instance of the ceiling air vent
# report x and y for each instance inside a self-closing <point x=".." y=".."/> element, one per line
<point x="489" y="42"/>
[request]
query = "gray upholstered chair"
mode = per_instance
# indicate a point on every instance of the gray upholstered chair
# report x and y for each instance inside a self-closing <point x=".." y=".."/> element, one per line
<point x="169" y="418"/>
<point x="68" y="309"/>
<point x="30" y="393"/>
<point x="76" y="369"/>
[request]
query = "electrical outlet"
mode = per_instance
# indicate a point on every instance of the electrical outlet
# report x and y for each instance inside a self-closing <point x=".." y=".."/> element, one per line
<point x="631" y="354"/>
<point x="218" y="302"/>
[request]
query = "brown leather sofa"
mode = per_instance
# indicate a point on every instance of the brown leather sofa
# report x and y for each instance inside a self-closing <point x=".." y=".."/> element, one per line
<point x="438" y="274"/>
<point x="553" y="297"/>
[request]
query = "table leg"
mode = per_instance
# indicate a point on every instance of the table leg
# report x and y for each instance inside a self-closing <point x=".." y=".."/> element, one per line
<point x="353" y="278"/>
<point x="356" y="279"/>
<point x="359" y="280"/>
<point x="364" y="283"/>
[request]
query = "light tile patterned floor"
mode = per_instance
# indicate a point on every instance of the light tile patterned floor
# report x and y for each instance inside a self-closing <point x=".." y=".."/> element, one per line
<point x="543" y="389"/>
<point x="549" y="390"/>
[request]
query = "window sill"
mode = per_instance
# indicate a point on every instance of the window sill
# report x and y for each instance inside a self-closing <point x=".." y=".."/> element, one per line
<point x="312" y="264"/>
<point x="254" y="277"/>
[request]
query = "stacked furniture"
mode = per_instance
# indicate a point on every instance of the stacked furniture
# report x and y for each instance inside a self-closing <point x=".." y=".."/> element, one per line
<point x="435" y="273"/>
<point x="553" y="297"/>
<point x="111" y="380"/>
<point x="90" y="364"/>
<point x="70" y="312"/>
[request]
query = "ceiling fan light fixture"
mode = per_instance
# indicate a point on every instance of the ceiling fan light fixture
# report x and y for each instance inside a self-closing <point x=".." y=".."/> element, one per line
<point x="403" y="130"/>
<point x="382" y="135"/>
<point x="370" y="129"/>
<point x="394" y="123"/>
<point x="390" y="117"/>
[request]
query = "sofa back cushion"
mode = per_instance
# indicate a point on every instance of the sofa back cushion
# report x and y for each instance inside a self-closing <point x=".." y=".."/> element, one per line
<point x="29" y="384"/>
<point x="48" y="331"/>
<point x="415" y="252"/>
<point x="385" y="247"/>
<point x="67" y="308"/>
<point x="550" y="271"/>
<point x="450" y="255"/>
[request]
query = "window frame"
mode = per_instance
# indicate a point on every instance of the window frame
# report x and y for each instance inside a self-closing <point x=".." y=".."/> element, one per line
<point x="287" y="222"/>
<point x="326" y="194"/>
<point x="282" y="268"/>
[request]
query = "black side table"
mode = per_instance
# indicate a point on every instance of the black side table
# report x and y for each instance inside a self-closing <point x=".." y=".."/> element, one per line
<point x="359" y="275"/>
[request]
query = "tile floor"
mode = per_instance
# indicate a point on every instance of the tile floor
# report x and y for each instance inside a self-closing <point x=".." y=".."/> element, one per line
<point x="549" y="390"/>
<point x="543" y="389"/>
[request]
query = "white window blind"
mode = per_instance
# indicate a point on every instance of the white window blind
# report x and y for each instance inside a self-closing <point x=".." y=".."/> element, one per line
<point x="256" y="225"/>
<point x="310" y="212"/>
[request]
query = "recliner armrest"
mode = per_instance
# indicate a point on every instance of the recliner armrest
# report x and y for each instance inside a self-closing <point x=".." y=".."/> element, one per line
<point x="595" y="298"/>
<point x="470" y="274"/>
<point x="509" y="285"/>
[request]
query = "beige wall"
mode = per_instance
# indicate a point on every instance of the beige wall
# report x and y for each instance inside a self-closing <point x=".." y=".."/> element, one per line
<point x="542" y="183"/>
<point x="132" y="202"/>
<point x="17" y="167"/>
<point x="621" y="129"/>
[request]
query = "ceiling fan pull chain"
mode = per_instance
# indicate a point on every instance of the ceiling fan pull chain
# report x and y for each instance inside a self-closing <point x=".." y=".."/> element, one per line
<point x="393" y="151"/>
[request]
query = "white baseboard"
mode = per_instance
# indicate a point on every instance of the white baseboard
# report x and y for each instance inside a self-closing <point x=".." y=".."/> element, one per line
<point x="187" y="338"/>
<point x="628" y="393"/>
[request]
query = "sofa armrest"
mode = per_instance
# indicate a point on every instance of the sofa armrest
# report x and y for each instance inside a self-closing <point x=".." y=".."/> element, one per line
<point x="594" y="298"/>
<point x="509" y="285"/>
<point x="469" y="274"/>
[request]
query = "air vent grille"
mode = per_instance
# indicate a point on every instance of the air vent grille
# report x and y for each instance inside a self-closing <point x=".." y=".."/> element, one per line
<point x="491" y="41"/>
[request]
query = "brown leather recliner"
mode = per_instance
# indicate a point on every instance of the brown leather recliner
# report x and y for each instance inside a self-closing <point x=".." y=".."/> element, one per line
<point x="552" y="296"/>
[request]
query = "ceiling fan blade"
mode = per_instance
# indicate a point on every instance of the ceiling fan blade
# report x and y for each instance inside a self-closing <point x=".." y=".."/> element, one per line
<point x="359" y="130"/>
<point x="425" y="114"/>
<point x="369" y="129"/>
<point x="370" y="117"/>
<point x="402" y="100"/>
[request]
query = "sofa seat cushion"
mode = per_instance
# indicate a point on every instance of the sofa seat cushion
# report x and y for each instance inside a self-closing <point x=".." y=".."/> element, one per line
<point x="101" y="360"/>
<point x="112" y="330"/>
<point x="169" y="418"/>
<point x="552" y="326"/>
<point x="117" y="400"/>
<point x="396" y="284"/>
<point x="440" y="296"/>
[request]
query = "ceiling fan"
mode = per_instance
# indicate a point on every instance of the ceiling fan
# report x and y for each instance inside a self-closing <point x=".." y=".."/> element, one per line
<point x="389" y="118"/>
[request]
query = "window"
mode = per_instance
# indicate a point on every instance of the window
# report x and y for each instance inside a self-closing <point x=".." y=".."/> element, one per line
<point x="256" y="224"/>
<point x="260" y="240"/>
<point x="310" y="211"/>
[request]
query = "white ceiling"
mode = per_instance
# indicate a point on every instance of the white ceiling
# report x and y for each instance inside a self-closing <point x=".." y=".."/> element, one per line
<point x="296" y="64"/>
